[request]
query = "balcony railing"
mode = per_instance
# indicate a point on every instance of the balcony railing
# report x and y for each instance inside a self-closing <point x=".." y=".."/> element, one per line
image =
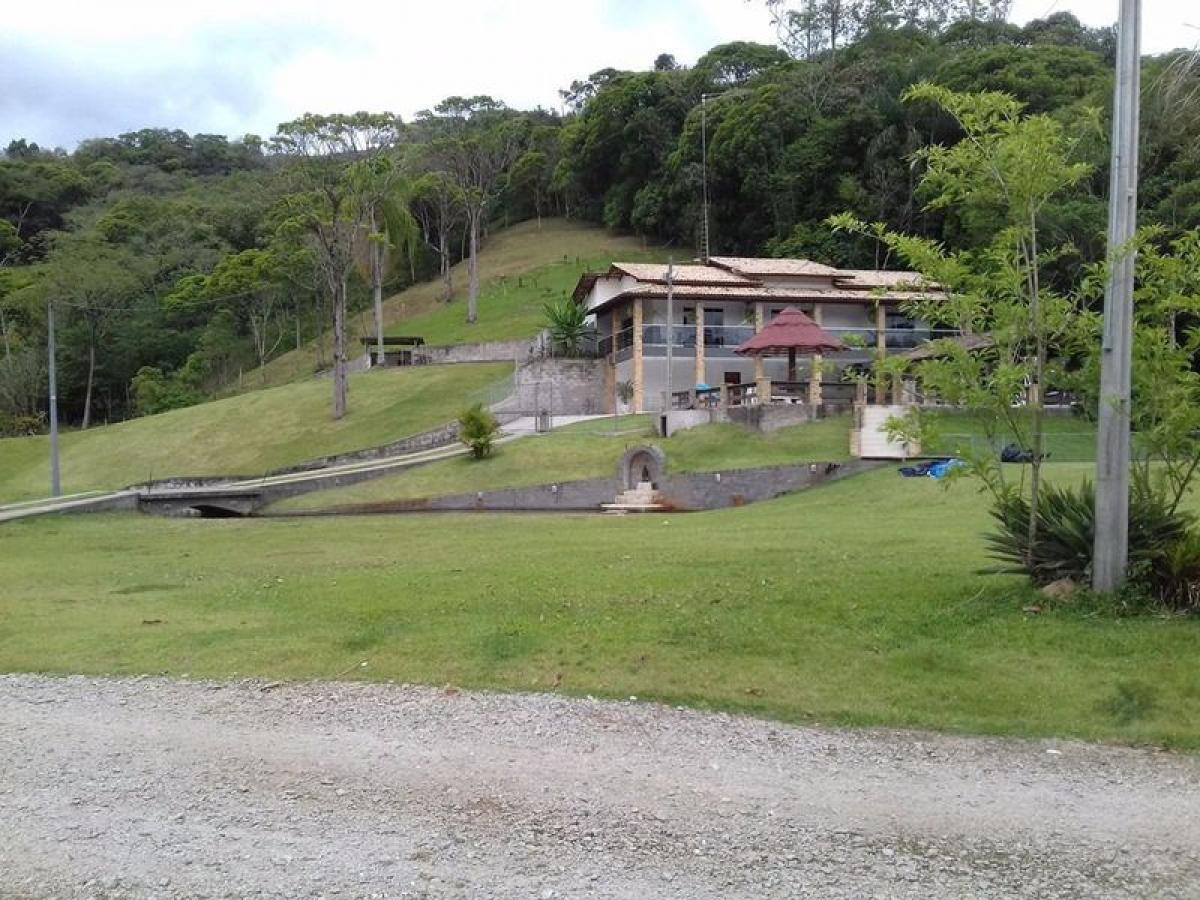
<point x="724" y="339"/>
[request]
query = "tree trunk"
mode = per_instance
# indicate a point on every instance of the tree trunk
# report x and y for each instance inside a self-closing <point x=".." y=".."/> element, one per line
<point x="1035" y="404"/>
<point x="377" y="294"/>
<point x="91" y="377"/>
<point x="339" y="350"/>
<point x="473" y="268"/>
<point x="4" y="332"/>
<point x="444" y="258"/>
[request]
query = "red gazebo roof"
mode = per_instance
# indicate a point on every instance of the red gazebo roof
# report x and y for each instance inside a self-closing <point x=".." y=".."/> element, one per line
<point x="791" y="330"/>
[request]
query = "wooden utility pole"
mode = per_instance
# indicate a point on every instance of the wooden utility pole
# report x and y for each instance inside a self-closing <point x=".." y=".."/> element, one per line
<point x="1111" y="551"/>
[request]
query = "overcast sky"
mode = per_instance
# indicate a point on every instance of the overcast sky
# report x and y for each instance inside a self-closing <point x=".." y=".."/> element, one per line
<point x="72" y="69"/>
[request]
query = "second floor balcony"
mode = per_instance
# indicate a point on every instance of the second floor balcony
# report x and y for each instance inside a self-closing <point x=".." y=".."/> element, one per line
<point x="723" y="340"/>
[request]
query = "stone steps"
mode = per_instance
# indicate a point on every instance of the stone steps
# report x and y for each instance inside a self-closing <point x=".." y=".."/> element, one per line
<point x="643" y="498"/>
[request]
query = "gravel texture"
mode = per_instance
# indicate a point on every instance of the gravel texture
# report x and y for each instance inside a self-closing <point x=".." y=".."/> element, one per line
<point x="122" y="788"/>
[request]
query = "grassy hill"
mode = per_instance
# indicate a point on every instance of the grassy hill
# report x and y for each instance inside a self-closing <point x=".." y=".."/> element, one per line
<point x="520" y="269"/>
<point x="250" y="433"/>
<point x="589" y="450"/>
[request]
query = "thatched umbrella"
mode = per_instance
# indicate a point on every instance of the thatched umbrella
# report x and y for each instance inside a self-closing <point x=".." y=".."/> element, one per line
<point x="789" y="333"/>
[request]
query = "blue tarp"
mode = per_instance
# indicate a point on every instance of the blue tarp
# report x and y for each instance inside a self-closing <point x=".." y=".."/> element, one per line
<point x="934" y="468"/>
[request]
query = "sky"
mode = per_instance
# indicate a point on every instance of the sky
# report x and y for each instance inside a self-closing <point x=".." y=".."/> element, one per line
<point x="73" y="69"/>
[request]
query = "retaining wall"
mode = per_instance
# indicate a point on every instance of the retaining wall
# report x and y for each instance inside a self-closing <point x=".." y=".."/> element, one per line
<point x="688" y="491"/>
<point x="560" y="387"/>
<point x="488" y="351"/>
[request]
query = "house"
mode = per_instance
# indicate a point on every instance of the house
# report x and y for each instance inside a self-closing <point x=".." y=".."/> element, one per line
<point x="719" y="304"/>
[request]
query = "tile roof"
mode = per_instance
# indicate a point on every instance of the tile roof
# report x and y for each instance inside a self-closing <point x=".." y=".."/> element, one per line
<point x="873" y="278"/>
<point x="758" y="266"/>
<point x="657" y="272"/>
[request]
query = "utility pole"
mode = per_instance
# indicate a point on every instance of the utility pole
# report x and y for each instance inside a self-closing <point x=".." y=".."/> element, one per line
<point x="704" y="168"/>
<point x="670" y="326"/>
<point x="55" y="482"/>
<point x="1110" y="557"/>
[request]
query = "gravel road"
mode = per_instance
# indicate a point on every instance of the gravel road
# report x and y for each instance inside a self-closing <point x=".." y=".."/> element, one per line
<point x="122" y="788"/>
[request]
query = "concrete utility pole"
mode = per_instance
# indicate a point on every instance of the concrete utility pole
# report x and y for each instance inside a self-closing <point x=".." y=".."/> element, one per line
<point x="670" y="326"/>
<point x="704" y="166"/>
<point x="51" y="350"/>
<point x="1111" y="551"/>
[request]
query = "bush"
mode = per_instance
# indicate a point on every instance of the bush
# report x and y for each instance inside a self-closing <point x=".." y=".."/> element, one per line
<point x="156" y="392"/>
<point x="21" y="425"/>
<point x="567" y="322"/>
<point x="1164" y="550"/>
<point x="477" y="428"/>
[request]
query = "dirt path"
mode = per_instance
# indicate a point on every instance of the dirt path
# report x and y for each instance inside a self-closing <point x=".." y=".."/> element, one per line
<point x="153" y="788"/>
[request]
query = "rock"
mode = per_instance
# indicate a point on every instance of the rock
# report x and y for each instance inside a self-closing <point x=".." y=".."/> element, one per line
<point x="1062" y="589"/>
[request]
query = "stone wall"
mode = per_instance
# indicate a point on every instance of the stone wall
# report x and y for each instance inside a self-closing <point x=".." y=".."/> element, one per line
<point x="772" y="416"/>
<point x="519" y="351"/>
<point x="442" y="436"/>
<point x="688" y="491"/>
<point x="561" y="387"/>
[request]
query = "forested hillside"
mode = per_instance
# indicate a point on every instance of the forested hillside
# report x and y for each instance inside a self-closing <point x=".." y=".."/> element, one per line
<point x="177" y="262"/>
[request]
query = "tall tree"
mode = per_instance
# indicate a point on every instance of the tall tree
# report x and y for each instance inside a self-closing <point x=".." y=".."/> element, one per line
<point x="437" y="204"/>
<point x="250" y="285"/>
<point x="480" y="142"/>
<point x="1006" y="170"/>
<point x="382" y="192"/>
<point x="96" y="284"/>
<point x="325" y="205"/>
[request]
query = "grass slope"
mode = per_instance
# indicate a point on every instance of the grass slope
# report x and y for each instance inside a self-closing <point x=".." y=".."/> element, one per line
<point x="520" y="268"/>
<point x="590" y="450"/>
<point x="248" y="434"/>
<point x="855" y="603"/>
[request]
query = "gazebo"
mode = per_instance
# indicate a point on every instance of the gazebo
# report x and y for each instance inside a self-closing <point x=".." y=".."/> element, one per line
<point x="789" y="333"/>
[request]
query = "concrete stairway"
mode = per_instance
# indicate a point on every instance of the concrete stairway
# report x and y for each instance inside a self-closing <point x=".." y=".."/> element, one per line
<point x="643" y="498"/>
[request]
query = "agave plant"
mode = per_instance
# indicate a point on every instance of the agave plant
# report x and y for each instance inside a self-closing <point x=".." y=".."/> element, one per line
<point x="1066" y="531"/>
<point x="566" y="321"/>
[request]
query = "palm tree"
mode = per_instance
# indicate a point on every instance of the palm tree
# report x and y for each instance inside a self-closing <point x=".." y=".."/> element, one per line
<point x="390" y="228"/>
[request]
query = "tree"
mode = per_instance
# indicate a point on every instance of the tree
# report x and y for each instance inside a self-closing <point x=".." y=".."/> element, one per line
<point x="665" y="62"/>
<point x="383" y="192"/>
<point x="1006" y="169"/>
<point x="325" y="205"/>
<point x="250" y="285"/>
<point x="96" y="284"/>
<point x="437" y="204"/>
<point x="810" y="28"/>
<point x="479" y="144"/>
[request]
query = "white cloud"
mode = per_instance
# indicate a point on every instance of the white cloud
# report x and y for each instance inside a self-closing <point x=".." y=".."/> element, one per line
<point x="80" y="68"/>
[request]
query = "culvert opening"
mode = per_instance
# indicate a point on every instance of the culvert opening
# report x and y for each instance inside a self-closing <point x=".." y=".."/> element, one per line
<point x="216" y="512"/>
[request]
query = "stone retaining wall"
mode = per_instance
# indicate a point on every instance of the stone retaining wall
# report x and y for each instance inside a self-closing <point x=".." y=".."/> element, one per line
<point x="520" y="351"/>
<point x="688" y="491"/>
<point x="559" y="386"/>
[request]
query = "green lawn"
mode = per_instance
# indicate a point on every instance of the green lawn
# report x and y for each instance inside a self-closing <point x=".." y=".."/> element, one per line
<point x="589" y="450"/>
<point x="1067" y="438"/>
<point x="855" y="603"/>
<point x="248" y="434"/>
<point x="520" y="268"/>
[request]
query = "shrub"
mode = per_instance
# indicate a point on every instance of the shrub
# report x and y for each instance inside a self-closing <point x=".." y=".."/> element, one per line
<point x="21" y="425"/>
<point x="567" y="323"/>
<point x="1164" y="550"/>
<point x="477" y="428"/>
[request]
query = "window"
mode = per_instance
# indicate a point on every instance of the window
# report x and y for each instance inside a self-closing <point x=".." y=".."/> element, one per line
<point x="732" y="377"/>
